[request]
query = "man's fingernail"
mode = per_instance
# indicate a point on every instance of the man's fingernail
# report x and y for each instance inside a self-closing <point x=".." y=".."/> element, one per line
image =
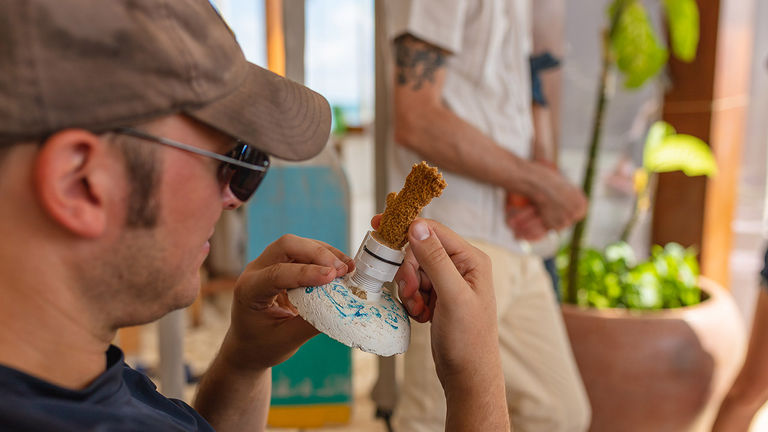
<point x="329" y="270"/>
<point x="409" y="304"/>
<point x="420" y="230"/>
<point x="338" y="264"/>
<point x="400" y="286"/>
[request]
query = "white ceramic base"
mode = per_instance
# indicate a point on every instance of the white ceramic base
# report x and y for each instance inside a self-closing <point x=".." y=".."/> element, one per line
<point x="380" y="327"/>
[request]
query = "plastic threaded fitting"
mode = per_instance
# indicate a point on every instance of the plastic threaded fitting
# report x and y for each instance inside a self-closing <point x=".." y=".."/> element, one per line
<point x="375" y="265"/>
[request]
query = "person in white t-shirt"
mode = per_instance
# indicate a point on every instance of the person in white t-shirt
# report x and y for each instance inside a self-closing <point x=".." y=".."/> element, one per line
<point x="459" y="79"/>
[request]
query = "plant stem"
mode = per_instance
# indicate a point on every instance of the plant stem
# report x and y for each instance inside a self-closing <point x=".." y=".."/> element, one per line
<point x="642" y="201"/>
<point x="631" y="222"/>
<point x="617" y="7"/>
<point x="597" y="125"/>
<point x="642" y="204"/>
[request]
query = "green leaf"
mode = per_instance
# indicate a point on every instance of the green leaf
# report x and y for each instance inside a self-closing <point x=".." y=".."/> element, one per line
<point x="675" y="250"/>
<point x="612" y="286"/>
<point x="681" y="152"/>
<point x="691" y="297"/>
<point x="634" y="45"/>
<point x="598" y="300"/>
<point x="656" y="134"/>
<point x="620" y="251"/>
<point x="683" y="19"/>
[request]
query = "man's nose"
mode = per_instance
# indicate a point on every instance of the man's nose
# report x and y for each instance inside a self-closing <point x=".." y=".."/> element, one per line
<point x="228" y="199"/>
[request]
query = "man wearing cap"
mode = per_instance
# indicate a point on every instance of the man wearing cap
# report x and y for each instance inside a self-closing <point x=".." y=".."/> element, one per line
<point x="126" y="127"/>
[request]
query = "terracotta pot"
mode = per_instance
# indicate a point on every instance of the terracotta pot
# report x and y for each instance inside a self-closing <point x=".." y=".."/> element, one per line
<point x="658" y="371"/>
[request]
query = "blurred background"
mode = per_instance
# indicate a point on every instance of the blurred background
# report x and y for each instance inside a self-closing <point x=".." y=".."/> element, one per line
<point x="722" y="97"/>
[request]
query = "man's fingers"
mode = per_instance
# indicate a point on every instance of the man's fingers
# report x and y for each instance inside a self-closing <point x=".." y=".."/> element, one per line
<point x="557" y="221"/>
<point x="433" y="257"/>
<point x="297" y="328"/>
<point x="522" y="212"/>
<point x="408" y="280"/>
<point x="452" y="242"/>
<point x="348" y="262"/>
<point x="531" y="229"/>
<point x="259" y="288"/>
<point x="294" y="329"/>
<point x="376" y="221"/>
<point x="532" y="234"/>
<point x="291" y="248"/>
<point x="522" y="216"/>
<point x="407" y="276"/>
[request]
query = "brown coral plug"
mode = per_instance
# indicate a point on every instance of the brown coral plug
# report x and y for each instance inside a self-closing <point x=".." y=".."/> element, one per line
<point x="422" y="184"/>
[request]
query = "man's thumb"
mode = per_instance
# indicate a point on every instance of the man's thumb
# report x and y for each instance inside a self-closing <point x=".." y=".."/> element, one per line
<point x="433" y="258"/>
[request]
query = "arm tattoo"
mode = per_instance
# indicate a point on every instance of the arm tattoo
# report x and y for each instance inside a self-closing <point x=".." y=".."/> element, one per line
<point x="416" y="61"/>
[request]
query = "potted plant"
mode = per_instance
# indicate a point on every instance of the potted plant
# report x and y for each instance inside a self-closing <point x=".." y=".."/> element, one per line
<point x="657" y="345"/>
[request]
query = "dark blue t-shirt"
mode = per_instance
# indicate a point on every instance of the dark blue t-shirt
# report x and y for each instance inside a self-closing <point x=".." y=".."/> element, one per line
<point x="764" y="272"/>
<point x="120" y="399"/>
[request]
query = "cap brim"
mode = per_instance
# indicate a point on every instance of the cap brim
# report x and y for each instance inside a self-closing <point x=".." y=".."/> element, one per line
<point x="272" y="113"/>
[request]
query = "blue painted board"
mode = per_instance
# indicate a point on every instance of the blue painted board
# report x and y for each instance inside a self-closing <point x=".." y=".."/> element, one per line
<point x="309" y="201"/>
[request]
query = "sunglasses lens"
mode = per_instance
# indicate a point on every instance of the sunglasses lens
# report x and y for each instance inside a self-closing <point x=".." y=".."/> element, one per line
<point x="243" y="181"/>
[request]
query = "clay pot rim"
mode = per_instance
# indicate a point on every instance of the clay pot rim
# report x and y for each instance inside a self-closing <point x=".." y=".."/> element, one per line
<point x="712" y="289"/>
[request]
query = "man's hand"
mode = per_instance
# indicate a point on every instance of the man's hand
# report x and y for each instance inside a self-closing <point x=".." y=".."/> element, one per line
<point x="523" y="217"/>
<point x="445" y="262"/>
<point x="454" y="278"/>
<point x="559" y="203"/>
<point x="233" y="395"/>
<point x="526" y="223"/>
<point x="448" y="281"/>
<point x="266" y="329"/>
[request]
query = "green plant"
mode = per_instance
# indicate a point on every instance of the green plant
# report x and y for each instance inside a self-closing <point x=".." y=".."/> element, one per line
<point x="666" y="150"/>
<point x="668" y="279"/>
<point x="631" y="46"/>
<point x="613" y="278"/>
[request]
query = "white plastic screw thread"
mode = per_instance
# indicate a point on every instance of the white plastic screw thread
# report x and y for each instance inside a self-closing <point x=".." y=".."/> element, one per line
<point x="375" y="264"/>
<point x="372" y="286"/>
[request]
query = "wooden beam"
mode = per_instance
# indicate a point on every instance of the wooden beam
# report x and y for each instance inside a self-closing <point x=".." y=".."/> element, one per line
<point x="708" y="99"/>
<point x="275" y="36"/>
<point x="294" y="30"/>
<point x="729" y="114"/>
<point x="382" y="103"/>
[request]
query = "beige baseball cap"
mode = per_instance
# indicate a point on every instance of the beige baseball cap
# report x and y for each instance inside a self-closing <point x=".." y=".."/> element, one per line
<point x="104" y="64"/>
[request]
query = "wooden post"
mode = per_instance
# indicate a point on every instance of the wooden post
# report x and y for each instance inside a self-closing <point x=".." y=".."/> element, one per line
<point x="294" y="29"/>
<point x="708" y="99"/>
<point x="275" y="36"/>
<point x="382" y="119"/>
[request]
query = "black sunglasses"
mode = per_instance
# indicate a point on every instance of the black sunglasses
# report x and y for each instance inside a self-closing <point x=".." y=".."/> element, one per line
<point x="243" y="167"/>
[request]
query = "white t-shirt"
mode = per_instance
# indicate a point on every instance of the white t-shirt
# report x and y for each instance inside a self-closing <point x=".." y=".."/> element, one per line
<point x="487" y="84"/>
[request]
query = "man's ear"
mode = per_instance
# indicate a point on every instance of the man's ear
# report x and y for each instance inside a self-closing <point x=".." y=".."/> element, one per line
<point x="73" y="174"/>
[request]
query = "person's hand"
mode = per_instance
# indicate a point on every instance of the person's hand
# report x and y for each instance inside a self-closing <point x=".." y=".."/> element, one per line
<point x="446" y="280"/>
<point x="523" y="219"/>
<point x="266" y="329"/>
<point x="559" y="203"/>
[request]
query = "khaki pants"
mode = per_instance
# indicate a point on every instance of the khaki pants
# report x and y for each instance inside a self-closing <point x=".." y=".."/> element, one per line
<point x="544" y="389"/>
